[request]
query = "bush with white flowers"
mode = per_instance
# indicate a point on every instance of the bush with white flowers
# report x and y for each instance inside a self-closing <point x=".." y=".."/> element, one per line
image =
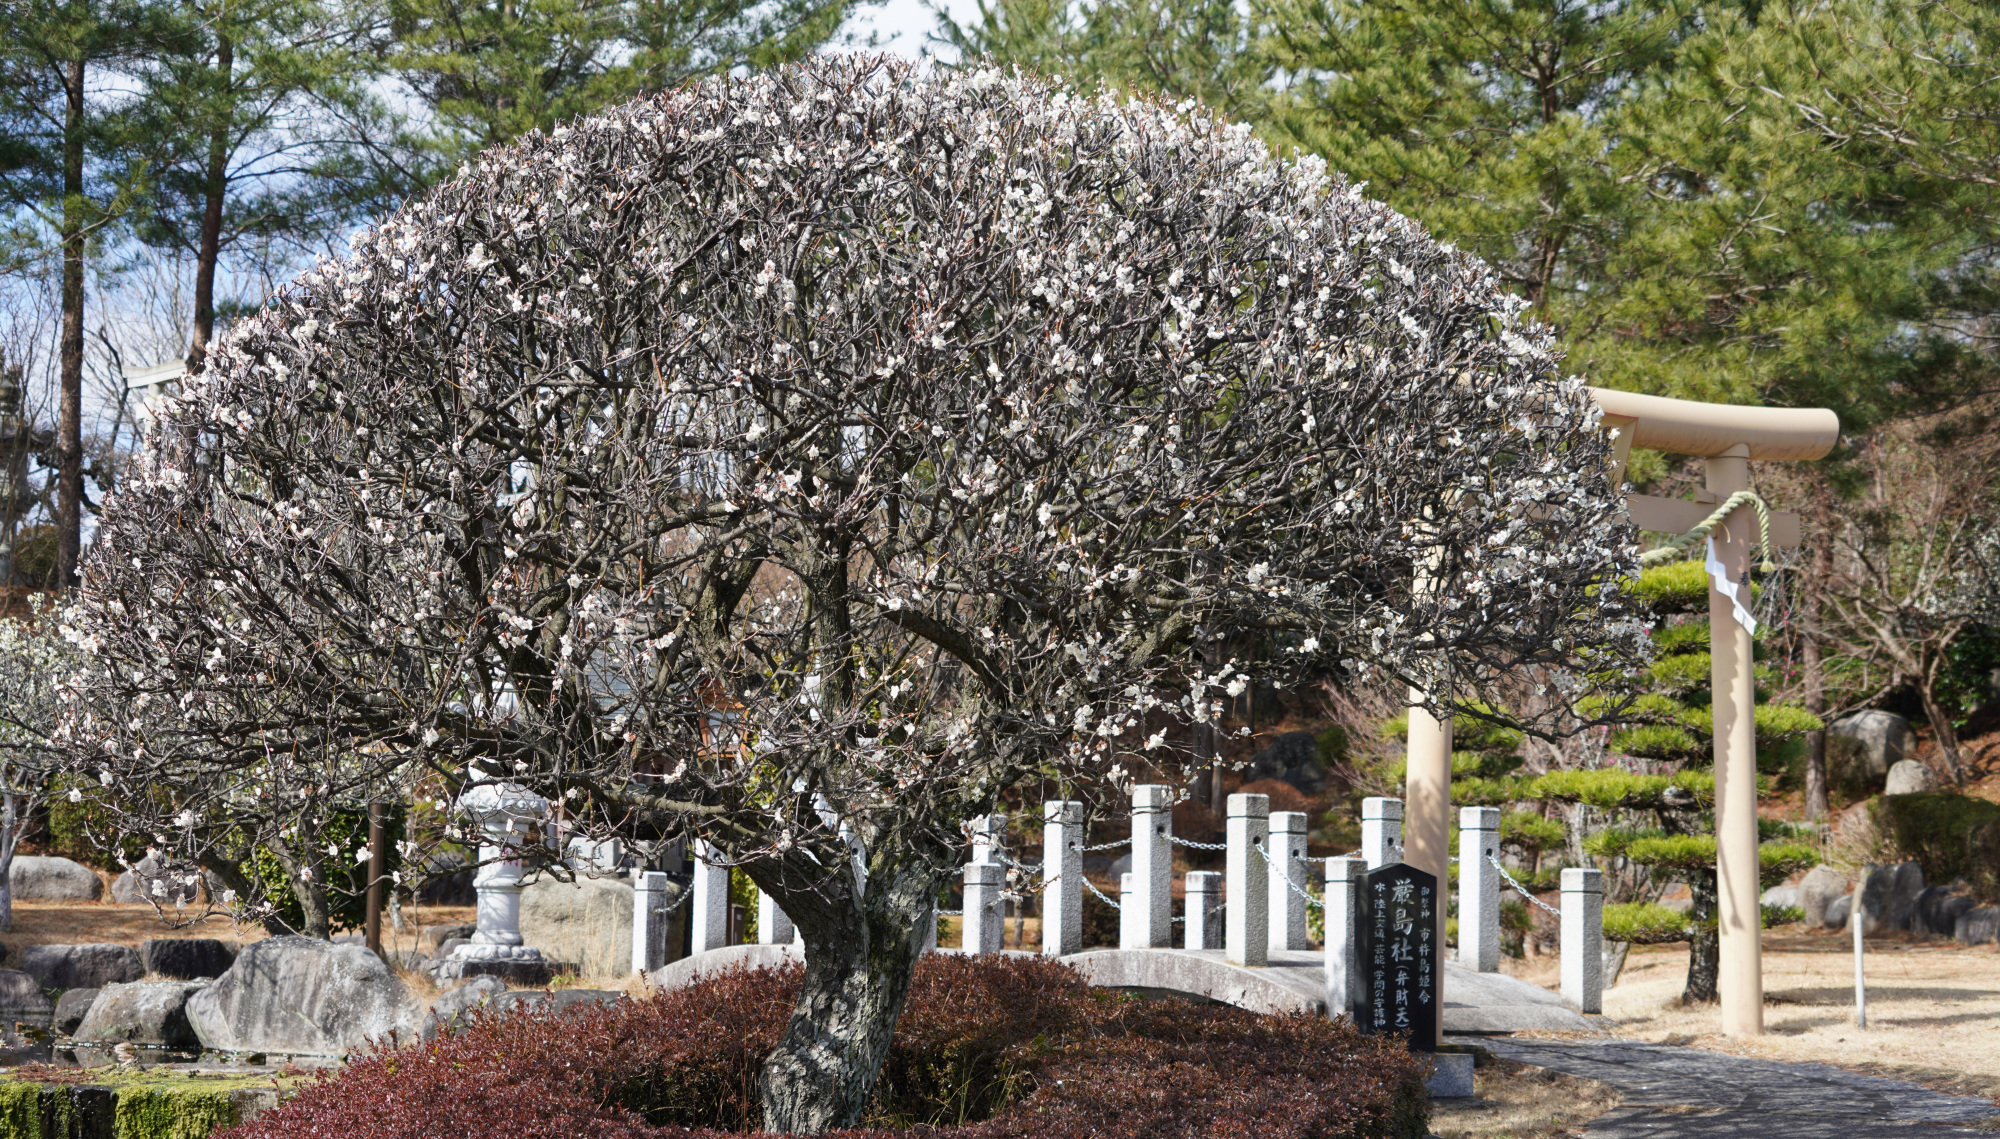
<point x="799" y="461"/>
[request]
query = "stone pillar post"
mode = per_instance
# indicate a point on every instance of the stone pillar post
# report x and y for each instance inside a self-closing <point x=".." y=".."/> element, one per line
<point x="1381" y="830"/>
<point x="1153" y="864"/>
<point x="1246" y="920"/>
<point x="1204" y="925"/>
<point x="1478" y="889"/>
<point x="989" y="839"/>
<point x="711" y="901"/>
<point x="1583" y="938"/>
<point x="650" y="890"/>
<point x="1341" y="875"/>
<point x="774" y="925"/>
<point x="1062" y="878"/>
<point x="1288" y="867"/>
<point x="982" y="918"/>
<point x="1131" y="913"/>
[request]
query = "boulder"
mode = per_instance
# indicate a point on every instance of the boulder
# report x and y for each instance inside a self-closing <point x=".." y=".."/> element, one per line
<point x="1861" y="747"/>
<point x="81" y="966"/>
<point x="145" y="882"/>
<point x="1980" y="926"/>
<point x="448" y="1011"/>
<point x="303" y="997"/>
<point x="587" y="921"/>
<point x="444" y="879"/>
<point x="551" y="1000"/>
<point x="44" y="878"/>
<point x="1888" y="894"/>
<point x="1909" y="777"/>
<point x="1856" y="827"/>
<point x="70" y="1008"/>
<point x="1787" y="897"/>
<point x="186" y="958"/>
<point x="143" y="1012"/>
<point x="1936" y="911"/>
<point x="1293" y="758"/>
<point x="22" y="999"/>
<point x="431" y="938"/>
<point x="1817" y="890"/>
<point x="1837" y="911"/>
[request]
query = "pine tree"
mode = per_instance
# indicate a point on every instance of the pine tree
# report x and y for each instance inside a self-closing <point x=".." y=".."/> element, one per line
<point x="1205" y="50"/>
<point x="243" y="104"/>
<point x="71" y="169"/>
<point x="489" y="71"/>
<point x="1661" y="797"/>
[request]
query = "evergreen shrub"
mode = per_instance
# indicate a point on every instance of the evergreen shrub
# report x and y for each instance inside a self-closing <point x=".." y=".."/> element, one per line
<point x="1950" y="835"/>
<point x="993" y="1048"/>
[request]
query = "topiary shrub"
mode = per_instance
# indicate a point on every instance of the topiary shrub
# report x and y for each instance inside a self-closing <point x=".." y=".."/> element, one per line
<point x="1950" y="835"/>
<point x="992" y="1048"/>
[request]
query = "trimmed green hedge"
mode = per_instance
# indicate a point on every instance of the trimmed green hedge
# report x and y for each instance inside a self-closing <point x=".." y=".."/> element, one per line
<point x="1950" y="835"/>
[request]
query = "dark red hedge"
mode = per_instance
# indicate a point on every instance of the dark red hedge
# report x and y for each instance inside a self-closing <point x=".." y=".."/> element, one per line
<point x="988" y="1048"/>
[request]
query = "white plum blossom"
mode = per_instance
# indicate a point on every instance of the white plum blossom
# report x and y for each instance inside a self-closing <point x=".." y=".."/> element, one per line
<point x="799" y="461"/>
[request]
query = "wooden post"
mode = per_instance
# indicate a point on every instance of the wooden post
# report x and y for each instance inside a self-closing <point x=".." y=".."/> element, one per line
<point x="1427" y="814"/>
<point x="1734" y="706"/>
<point x="378" y="876"/>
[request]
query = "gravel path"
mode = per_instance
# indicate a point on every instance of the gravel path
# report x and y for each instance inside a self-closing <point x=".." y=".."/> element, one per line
<point x="1678" y="1091"/>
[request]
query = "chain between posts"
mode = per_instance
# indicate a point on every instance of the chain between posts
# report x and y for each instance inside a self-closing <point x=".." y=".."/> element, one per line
<point x="1520" y="889"/>
<point x="1100" y="894"/>
<point x="1106" y="845"/>
<point x="1296" y="888"/>
<point x="1179" y="841"/>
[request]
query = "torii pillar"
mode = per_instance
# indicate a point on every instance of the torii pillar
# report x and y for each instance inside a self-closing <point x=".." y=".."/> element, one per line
<point x="1727" y="437"/>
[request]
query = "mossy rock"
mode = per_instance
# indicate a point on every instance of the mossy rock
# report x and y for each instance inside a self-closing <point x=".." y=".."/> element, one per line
<point x="154" y="1103"/>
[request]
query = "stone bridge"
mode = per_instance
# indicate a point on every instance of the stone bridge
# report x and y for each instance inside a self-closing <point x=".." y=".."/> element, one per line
<point x="1293" y="982"/>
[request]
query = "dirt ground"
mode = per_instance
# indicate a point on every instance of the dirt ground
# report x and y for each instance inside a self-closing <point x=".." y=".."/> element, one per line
<point x="1933" y="1006"/>
<point x="70" y="923"/>
<point x="1516" y="1101"/>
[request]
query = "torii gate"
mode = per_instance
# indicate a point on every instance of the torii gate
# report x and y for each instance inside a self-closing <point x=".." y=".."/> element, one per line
<point x="1726" y="438"/>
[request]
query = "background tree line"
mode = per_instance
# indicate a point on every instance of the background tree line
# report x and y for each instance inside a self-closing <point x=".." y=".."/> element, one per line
<point x="164" y="163"/>
<point x="1730" y="200"/>
<point x="1720" y="199"/>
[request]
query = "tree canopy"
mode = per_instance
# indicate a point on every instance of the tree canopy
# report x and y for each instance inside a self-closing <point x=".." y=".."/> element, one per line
<point x="803" y="460"/>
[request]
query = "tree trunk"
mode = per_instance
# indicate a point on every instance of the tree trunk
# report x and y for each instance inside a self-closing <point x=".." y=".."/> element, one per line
<point x="307" y="879"/>
<point x="1942" y="731"/>
<point x="861" y="951"/>
<point x="1815" y="669"/>
<point x="1705" y="946"/>
<point x="217" y="185"/>
<point x="1815" y="694"/>
<point x="9" y="821"/>
<point x="69" y="412"/>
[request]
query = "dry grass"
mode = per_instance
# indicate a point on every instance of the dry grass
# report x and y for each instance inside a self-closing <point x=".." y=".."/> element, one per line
<point x="71" y="923"/>
<point x="1933" y="1006"/>
<point x="1516" y="1101"/>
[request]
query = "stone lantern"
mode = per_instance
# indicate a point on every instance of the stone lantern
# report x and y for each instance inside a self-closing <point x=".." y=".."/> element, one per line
<point x="504" y="813"/>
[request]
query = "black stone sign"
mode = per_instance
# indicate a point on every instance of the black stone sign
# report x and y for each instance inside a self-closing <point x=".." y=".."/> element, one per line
<point x="1396" y="946"/>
